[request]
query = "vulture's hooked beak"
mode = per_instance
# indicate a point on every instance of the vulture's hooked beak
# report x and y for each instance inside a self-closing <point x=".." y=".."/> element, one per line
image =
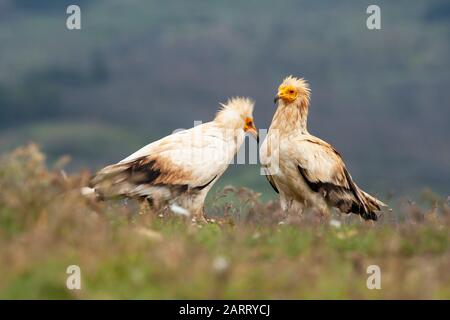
<point x="250" y="128"/>
<point x="275" y="100"/>
<point x="254" y="132"/>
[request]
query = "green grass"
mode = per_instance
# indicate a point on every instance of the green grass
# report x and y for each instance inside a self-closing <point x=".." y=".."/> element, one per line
<point x="45" y="226"/>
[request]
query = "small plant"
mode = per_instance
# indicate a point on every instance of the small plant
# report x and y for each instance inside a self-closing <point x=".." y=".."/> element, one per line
<point x="249" y="249"/>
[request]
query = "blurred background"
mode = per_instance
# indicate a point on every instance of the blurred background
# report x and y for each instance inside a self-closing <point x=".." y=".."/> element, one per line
<point x="137" y="70"/>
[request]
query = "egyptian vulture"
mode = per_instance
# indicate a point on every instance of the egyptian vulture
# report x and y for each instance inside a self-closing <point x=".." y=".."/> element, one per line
<point x="306" y="171"/>
<point x="177" y="171"/>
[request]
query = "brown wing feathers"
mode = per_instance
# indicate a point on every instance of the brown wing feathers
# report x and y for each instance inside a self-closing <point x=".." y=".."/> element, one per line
<point x="269" y="178"/>
<point x="131" y="177"/>
<point x="143" y="171"/>
<point x="134" y="176"/>
<point x="345" y="199"/>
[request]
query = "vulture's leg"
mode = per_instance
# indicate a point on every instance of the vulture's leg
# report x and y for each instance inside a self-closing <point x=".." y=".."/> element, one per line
<point x="199" y="216"/>
<point x="145" y="205"/>
<point x="285" y="203"/>
<point x="296" y="208"/>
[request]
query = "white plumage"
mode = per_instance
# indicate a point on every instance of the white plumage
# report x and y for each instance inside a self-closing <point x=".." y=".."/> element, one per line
<point x="306" y="171"/>
<point x="178" y="171"/>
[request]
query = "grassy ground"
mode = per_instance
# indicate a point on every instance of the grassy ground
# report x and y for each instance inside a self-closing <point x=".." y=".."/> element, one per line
<point x="45" y="226"/>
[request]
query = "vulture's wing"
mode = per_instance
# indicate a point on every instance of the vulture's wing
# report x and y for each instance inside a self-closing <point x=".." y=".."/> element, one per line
<point x="272" y="183"/>
<point x="190" y="159"/>
<point x="265" y="155"/>
<point x="324" y="171"/>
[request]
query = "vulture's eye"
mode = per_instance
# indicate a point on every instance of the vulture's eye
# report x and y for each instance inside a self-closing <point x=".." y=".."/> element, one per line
<point x="291" y="91"/>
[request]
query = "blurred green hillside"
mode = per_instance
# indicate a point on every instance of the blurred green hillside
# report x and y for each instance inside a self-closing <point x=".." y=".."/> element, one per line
<point x="140" y="69"/>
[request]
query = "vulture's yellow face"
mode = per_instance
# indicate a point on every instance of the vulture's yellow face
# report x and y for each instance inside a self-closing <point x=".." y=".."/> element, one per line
<point x="287" y="93"/>
<point x="250" y="127"/>
<point x="293" y="91"/>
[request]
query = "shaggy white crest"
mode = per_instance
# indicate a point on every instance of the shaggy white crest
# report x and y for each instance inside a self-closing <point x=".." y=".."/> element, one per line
<point x="177" y="171"/>
<point x="308" y="172"/>
<point x="235" y="111"/>
<point x="299" y="83"/>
